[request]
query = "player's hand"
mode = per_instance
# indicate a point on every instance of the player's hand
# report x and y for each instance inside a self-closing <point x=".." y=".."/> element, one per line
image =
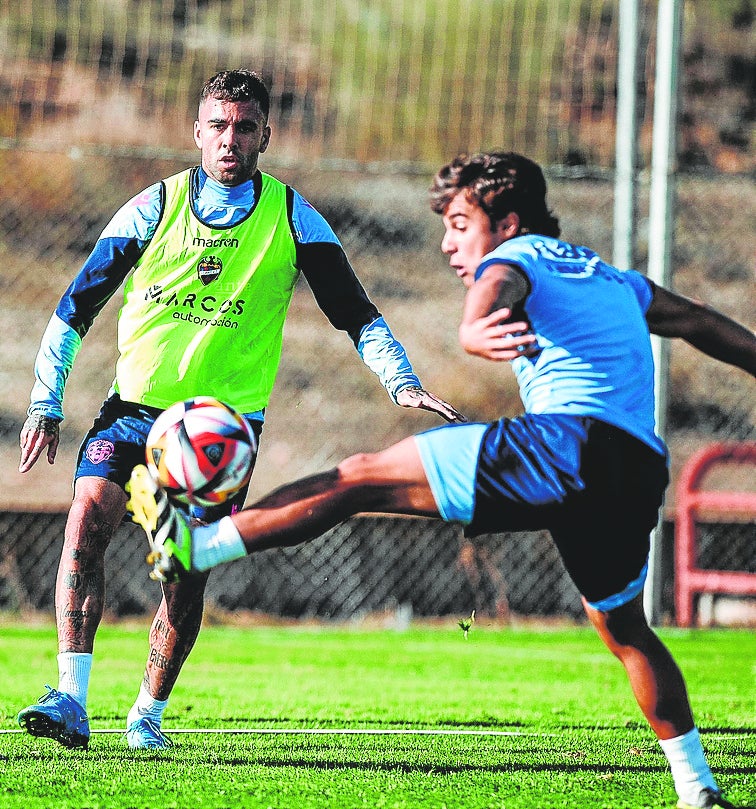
<point x="39" y="432"/>
<point x="424" y="400"/>
<point x="494" y="337"/>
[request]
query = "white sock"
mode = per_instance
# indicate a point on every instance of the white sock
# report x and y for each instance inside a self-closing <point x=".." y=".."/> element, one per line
<point x="216" y="543"/>
<point x="147" y="705"/>
<point x="73" y="675"/>
<point x="690" y="771"/>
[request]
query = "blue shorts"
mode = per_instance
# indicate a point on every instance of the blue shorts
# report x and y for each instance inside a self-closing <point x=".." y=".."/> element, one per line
<point x="116" y="444"/>
<point x="594" y="487"/>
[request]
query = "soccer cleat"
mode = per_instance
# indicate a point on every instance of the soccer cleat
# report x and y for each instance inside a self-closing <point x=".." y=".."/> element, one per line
<point x="57" y="716"/>
<point x="709" y="799"/>
<point x="166" y="527"/>
<point x="144" y="734"/>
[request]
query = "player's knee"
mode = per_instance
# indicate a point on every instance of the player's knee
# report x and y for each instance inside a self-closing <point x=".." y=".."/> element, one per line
<point x="188" y="593"/>
<point x="89" y="527"/>
<point x="363" y="482"/>
<point x="622" y="628"/>
<point x="359" y="470"/>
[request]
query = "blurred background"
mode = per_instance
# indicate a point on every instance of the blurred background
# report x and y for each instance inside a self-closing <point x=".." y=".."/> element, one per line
<point x="97" y="101"/>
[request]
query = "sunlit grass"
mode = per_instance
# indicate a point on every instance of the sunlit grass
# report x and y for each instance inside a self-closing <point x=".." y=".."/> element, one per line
<point x="556" y="725"/>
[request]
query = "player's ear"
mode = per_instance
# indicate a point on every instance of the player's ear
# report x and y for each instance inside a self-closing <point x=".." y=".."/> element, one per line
<point x="508" y="227"/>
<point x="265" y="140"/>
<point x="197" y="134"/>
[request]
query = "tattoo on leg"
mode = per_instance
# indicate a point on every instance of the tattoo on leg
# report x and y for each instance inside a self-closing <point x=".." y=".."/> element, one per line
<point x="158" y="659"/>
<point x="72" y="580"/>
<point x="75" y="618"/>
<point x="161" y="628"/>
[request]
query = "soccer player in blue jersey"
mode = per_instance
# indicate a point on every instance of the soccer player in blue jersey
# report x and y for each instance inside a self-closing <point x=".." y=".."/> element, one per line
<point x="583" y="461"/>
<point x="209" y="259"/>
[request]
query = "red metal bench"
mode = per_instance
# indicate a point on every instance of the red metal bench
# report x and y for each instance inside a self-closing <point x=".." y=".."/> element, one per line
<point x="695" y="503"/>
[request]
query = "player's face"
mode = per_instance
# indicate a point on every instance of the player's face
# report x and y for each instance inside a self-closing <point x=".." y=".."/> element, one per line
<point x="468" y="237"/>
<point x="231" y="136"/>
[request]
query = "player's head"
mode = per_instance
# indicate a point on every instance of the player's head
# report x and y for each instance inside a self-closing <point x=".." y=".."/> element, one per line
<point x="232" y="128"/>
<point x="499" y="183"/>
<point x="486" y="200"/>
<point x="237" y="85"/>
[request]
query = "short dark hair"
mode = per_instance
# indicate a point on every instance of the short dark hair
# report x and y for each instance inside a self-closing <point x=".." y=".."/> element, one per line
<point x="500" y="183"/>
<point x="237" y="85"/>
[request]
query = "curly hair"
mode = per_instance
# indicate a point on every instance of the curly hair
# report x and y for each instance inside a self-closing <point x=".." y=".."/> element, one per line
<point x="500" y="183"/>
<point x="237" y="85"/>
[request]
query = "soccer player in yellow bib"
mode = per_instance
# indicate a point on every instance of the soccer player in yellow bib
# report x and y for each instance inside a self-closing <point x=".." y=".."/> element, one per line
<point x="208" y="259"/>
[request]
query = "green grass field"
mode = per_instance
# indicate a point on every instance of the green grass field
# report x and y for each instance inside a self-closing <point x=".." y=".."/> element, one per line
<point x="519" y="718"/>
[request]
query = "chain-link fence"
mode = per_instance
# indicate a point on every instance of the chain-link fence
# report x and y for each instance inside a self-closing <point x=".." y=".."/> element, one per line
<point x="66" y="169"/>
<point x="393" y="567"/>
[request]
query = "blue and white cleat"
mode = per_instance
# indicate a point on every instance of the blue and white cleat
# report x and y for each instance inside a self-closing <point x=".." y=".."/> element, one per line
<point x="166" y="527"/>
<point x="57" y="716"/>
<point x="144" y="734"/>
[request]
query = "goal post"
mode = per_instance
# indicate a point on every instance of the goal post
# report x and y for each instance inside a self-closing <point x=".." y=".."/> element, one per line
<point x="661" y="229"/>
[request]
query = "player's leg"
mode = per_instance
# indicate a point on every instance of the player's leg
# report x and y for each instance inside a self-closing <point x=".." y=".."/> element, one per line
<point x="389" y="482"/>
<point x="660" y="691"/>
<point x="173" y="633"/>
<point x="603" y="537"/>
<point x="97" y="510"/>
<point x="654" y="676"/>
<point x="431" y="474"/>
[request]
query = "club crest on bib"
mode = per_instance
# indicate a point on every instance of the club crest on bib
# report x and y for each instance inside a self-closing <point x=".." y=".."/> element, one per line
<point x="209" y="269"/>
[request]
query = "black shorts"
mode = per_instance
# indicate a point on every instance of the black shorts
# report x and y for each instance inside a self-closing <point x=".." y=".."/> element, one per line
<point x="602" y="520"/>
<point x="116" y="444"/>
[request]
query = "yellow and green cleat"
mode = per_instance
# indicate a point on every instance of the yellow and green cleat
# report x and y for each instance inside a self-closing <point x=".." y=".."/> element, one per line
<point x="167" y="528"/>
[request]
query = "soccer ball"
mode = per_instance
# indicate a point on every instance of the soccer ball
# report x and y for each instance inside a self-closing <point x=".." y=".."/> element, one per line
<point x="201" y="451"/>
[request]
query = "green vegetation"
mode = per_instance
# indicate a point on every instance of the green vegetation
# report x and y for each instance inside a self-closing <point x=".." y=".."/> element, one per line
<point x="577" y="738"/>
<point x="404" y="82"/>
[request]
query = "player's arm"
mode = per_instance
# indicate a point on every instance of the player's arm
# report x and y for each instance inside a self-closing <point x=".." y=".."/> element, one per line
<point x="112" y="258"/>
<point x="343" y="300"/>
<point x="490" y="327"/>
<point x="711" y="332"/>
<point x="345" y="303"/>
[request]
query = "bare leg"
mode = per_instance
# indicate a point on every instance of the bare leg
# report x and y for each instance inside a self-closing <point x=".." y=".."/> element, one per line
<point x="655" y="678"/>
<point x="97" y="510"/>
<point x="388" y="482"/>
<point x="173" y="633"/>
<point x="392" y="481"/>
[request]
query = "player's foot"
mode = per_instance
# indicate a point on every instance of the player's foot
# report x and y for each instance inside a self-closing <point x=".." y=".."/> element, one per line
<point x="709" y="799"/>
<point x="166" y="527"/>
<point x="57" y="716"/>
<point x="144" y="734"/>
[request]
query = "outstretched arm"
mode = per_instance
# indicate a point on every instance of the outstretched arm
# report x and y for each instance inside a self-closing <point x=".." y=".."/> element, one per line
<point x="711" y="332"/>
<point x="345" y="303"/>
